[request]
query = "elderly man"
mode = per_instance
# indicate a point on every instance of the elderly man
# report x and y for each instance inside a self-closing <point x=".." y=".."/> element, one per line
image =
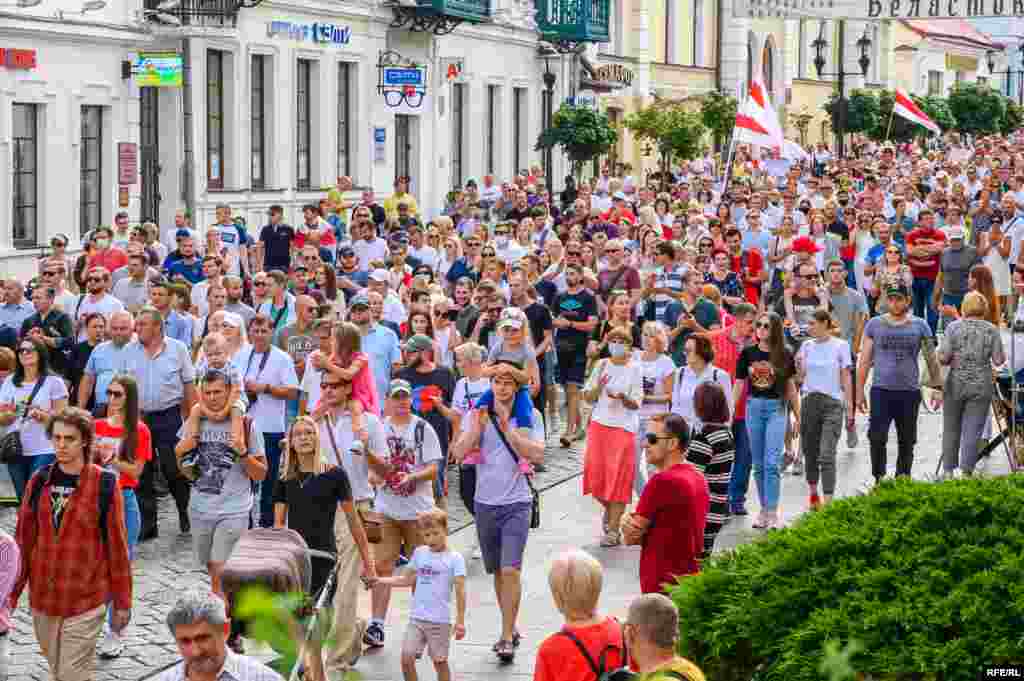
<point x="107" y="359"/>
<point x="14" y="311"/>
<point x="379" y="282"/>
<point x="650" y="632"/>
<point x="197" y="622"/>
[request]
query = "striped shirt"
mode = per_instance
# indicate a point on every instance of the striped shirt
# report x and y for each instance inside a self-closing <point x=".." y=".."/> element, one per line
<point x="712" y="451"/>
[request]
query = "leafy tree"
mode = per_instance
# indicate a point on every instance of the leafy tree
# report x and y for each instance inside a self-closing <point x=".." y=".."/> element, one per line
<point x="718" y="113"/>
<point x="903" y="130"/>
<point x="1014" y="118"/>
<point x="582" y="132"/>
<point x="675" y="132"/>
<point x="978" y="109"/>
<point x="861" y="111"/>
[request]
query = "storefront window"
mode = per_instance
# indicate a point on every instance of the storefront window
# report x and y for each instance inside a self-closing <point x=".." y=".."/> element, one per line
<point x="25" y="176"/>
<point x="90" y="205"/>
<point x="458" y="129"/>
<point x="258" y="123"/>
<point x="215" y="119"/>
<point x="344" y="117"/>
<point x="302" y="123"/>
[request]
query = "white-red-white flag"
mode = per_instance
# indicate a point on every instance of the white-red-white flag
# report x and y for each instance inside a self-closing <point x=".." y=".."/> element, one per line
<point x="905" y="107"/>
<point x="756" y="120"/>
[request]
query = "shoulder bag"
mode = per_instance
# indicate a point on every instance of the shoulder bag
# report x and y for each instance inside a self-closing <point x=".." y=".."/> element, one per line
<point x="372" y="520"/>
<point x="10" y="444"/>
<point x="535" y="504"/>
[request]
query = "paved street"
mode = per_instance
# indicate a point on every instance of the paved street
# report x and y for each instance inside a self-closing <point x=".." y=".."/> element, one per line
<point x="165" y="567"/>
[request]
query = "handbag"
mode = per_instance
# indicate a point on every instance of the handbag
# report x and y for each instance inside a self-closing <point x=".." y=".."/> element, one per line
<point x="10" y="444"/>
<point x="372" y="521"/>
<point x="535" y="503"/>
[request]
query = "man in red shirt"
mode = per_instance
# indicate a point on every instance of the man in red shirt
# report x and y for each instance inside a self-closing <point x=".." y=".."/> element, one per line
<point x="106" y="255"/>
<point x="669" y="519"/>
<point x="924" y="251"/>
<point x="748" y="265"/>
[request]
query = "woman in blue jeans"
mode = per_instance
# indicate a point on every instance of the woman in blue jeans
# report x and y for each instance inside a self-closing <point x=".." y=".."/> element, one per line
<point x="123" y="444"/>
<point x="767" y="369"/>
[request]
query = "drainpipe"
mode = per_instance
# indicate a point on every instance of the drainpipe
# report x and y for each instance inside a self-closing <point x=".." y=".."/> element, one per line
<point x="186" y="116"/>
<point x="718" y="46"/>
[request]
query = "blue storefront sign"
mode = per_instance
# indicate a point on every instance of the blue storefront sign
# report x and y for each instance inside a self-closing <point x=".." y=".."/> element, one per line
<point x="403" y="76"/>
<point x="318" y="33"/>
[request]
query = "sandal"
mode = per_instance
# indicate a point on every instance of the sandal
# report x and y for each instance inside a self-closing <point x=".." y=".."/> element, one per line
<point x="517" y="638"/>
<point x="610" y="539"/>
<point x="604" y="521"/>
<point x="505" y="650"/>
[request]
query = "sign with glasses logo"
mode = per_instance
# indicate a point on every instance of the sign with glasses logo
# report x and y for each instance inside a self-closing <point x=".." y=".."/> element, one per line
<point x="400" y="80"/>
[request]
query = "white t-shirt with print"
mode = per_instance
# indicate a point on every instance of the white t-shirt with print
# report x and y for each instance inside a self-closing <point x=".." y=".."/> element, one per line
<point x="33" y="433"/>
<point x="435" y="576"/>
<point x="403" y="503"/>
<point x="654" y="375"/>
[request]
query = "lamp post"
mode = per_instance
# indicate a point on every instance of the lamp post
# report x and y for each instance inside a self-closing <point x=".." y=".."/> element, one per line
<point x="990" y="56"/>
<point x="820" y="44"/>
<point x="549" y="101"/>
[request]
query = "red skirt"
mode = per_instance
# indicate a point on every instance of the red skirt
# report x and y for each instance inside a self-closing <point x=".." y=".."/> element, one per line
<point x="609" y="463"/>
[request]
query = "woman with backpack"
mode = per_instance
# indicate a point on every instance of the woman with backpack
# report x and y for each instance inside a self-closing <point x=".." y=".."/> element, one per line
<point x="123" y="445"/>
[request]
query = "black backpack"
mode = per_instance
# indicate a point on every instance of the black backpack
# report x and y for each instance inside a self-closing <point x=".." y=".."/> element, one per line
<point x="601" y="672"/>
<point x="108" y="483"/>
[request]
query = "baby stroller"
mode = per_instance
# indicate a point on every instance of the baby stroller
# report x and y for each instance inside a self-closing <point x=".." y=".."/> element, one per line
<point x="1008" y="410"/>
<point x="279" y="560"/>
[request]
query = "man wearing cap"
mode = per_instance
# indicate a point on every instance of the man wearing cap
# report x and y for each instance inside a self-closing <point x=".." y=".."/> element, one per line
<point x="433" y="388"/>
<point x="380" y="343"/>
<point x="503" y="500"/>
<point x="619" y="211"/>
<point x="954" y="270"/>
<point x="274" y="250"/>
<point x="189" y="267"/>
<point x="890" y="349"/>
<point x="413" y="459"/>
<point x="380" y="282"/>
<point x="351" y="279"/>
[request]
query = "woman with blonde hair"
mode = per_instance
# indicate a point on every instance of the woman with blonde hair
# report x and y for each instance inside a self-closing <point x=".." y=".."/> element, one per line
<point x="658" y="371"/>
<point x="970" y="348"/>
<point x="576" y="579"/>
<point x="307" y="497"/>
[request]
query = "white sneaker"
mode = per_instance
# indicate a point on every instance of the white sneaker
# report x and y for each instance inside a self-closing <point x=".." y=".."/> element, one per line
<point x="798" y="466"/>
<point x="111" y="647"/>
<point x="852" y="439"/>
<point x="476" y="553"/>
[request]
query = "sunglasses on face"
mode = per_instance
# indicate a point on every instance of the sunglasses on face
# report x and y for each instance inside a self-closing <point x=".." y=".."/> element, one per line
<point x="115" y="393"/>
<point x="573" y="254"/>
<point x="488" y="254"/>
<point x="652" y="439"/>
<point x="259" y="283"/>
<point x="763" y="325"/>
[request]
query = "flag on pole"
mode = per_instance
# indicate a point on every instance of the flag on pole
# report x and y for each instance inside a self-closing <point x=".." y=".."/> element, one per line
<point x="905" y="107"/>
<point x="756" y="120"/>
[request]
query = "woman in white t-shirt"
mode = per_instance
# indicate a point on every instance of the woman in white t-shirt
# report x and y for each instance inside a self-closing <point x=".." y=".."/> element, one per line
<point x="658" y="372"/>
<point x="823" y="367"/>
<point x="27" y="398"/>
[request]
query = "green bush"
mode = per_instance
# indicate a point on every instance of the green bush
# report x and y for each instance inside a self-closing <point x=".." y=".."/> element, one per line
<point x="925" y="578"/>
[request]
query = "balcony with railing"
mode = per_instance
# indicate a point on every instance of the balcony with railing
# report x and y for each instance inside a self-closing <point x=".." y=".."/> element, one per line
<point x="214" y="13"/>
<point x="438" y="16"/>
<point x="570" y="22"/>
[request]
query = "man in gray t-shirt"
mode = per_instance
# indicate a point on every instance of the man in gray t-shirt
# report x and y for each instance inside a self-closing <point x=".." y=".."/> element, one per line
<point x="891" y="346"/>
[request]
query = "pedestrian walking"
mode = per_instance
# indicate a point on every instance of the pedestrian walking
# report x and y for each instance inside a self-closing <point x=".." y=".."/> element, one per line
<point x="711" y="452"/>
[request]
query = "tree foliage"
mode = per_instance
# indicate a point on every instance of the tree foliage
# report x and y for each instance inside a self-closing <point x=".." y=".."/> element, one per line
<point x="1014" y="118"/>
<point x="718" y="114"/>
<point x="668" y="127"/>
<point x="927" y="579"/>
<point x="861" y="111"/>
<point x="583" y="133"/>
<point x="977" y="108"/>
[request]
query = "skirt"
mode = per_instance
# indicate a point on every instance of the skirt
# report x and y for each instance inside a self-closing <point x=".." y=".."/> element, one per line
<point x="609" y="463"/>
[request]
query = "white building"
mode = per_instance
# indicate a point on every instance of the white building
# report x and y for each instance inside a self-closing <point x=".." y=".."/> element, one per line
<point x="283" y="101"/>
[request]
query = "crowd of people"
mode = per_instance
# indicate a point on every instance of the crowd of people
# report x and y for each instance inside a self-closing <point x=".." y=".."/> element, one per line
<point x="373" y="361"/>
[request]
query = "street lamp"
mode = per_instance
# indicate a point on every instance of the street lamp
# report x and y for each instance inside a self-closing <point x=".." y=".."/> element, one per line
<point x="820" y="45"/>
<point x="990" y="57"/>
<point x="549" y="84"/>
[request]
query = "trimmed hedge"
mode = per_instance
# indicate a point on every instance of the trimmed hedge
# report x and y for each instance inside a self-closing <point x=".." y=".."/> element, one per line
<point x="928" y="578"/>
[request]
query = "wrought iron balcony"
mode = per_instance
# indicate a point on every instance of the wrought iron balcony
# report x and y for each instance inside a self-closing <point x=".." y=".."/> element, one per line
<point x="195" y="12"/>
<point x="567" y="23"/>
<point x="438" y="16"/>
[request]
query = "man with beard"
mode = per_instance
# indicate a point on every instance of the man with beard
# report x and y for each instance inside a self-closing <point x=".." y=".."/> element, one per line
<point x="233" y="286"/>
<point x="96" y="300"/>
<point x="351" y="280"/>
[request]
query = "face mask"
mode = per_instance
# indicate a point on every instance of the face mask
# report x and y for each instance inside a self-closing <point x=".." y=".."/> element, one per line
<point x="102" y="243"/>
<point x="501" y="241"/>
<point x="617" y="349"/>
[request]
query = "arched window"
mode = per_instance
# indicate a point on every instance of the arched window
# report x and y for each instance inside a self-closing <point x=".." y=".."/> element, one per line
<point x="768" y="67"/>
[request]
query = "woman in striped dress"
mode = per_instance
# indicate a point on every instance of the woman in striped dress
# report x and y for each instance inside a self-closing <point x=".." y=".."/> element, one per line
<point x="712" y="451"/>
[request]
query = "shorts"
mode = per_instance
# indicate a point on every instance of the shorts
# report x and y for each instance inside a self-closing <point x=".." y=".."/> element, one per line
<point x="572" y="367"/>
<point x="393" y="534"/>
<point x="502" y="531"/>
<point x="433" y="636"/>
<point x="213" y="538"/>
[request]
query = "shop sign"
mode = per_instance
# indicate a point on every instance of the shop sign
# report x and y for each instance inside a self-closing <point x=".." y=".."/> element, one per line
<point x="403" y="76"/>
<point x="584" y="99"/>
<point x="379" y="150"/>
<point x="614" y="73"/>
<point x="13" y="58"/>
<point x="127" y="163"/>
<point x="318" y="33"/>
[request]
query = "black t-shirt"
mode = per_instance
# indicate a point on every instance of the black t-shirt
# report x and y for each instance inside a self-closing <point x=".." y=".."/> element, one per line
<point x="62" y="485"/>
<point x="803" y="310"/>
<point x="547" y="291"/>
<point x="312" y="502"/>
<point x="539" y="318"/>
<point x="840" y="229"/>
<point x="766" y="380"/>
<point x="576" y="307"/>
<point x="443" y="378"/>
<point x="277" y="244"/>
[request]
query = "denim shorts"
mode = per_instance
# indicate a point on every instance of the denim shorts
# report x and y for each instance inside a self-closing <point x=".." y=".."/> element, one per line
<point x="502" y="531"/>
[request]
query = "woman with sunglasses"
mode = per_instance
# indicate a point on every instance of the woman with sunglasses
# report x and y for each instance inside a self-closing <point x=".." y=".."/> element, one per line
<point x="892" y="272"/>
<point x="765" y="371"/>
<point x="95" y="325"/>
<point x="27" y="398"/>
<point x="123" y="444"/>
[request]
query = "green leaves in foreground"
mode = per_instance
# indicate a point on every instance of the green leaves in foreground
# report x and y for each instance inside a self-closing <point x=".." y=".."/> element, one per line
<point x="927" y="579"/>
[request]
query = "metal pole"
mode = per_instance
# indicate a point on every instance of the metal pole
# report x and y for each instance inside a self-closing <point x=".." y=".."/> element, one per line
<point x="841" y="118"/>
<point x="186" y="116"/>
